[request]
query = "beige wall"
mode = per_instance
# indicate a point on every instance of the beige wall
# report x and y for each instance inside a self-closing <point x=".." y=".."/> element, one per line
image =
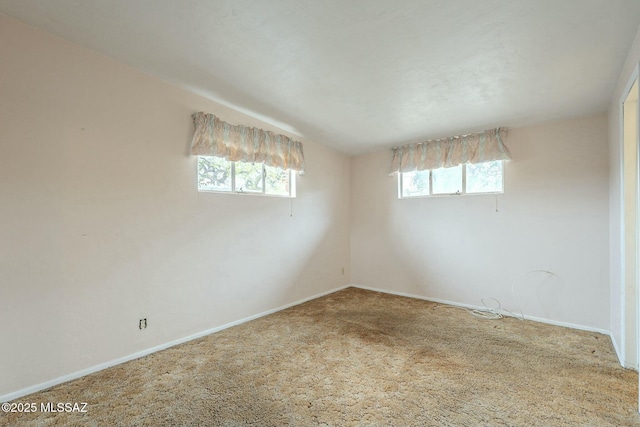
<point x="616" y="271"/>
<point x="553" y="215"/>
<point x="101" y="223"/>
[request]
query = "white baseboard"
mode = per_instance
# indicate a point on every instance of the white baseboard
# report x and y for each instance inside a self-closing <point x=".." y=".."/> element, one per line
<point x="621" y="358"/>
<point x="99" y="367"/>
<point x="474" y="307"/>
<point x="616" y="348"/>
<point x="78" y="374"/>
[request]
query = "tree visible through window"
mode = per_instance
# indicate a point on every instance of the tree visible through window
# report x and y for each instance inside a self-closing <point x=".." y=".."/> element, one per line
<point x="485" y="177"/>
<point x="463" y="179"/>
<point x="214" y="174"/>
<point x="218" y="174"/>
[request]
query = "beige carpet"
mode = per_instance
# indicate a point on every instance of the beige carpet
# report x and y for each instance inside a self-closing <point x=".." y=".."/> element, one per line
<point x="361" y="358"/>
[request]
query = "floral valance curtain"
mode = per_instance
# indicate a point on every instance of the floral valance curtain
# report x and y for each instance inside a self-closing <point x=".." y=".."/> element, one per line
<point x="214" y="137"/>
<point x="480" y="147"/>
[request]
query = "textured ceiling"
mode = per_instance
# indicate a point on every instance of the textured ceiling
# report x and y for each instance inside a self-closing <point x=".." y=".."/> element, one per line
<point x="360" y="75"/>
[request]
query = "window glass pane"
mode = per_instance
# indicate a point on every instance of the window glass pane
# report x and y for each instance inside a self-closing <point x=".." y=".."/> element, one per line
<point x="447" y="180"/>
<point x="214" y="173"/>
<point x="276" y="181"/>
<point x="485" y="177"/>
<point x="248" y="177"/>
<point x="415" y="183"/>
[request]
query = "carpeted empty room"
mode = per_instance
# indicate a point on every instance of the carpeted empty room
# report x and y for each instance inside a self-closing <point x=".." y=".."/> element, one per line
<point x="319" y="213"/>
<point x="357" y="357"/>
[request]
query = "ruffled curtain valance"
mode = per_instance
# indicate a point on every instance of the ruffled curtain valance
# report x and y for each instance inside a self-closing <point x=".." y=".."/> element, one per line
<point x="480" y="147"/>
<point x="214" y="137"/>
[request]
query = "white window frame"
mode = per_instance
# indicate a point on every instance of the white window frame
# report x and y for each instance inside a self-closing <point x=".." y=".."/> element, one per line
<point x="233" y="190"/>
<point x="458" y="193"/>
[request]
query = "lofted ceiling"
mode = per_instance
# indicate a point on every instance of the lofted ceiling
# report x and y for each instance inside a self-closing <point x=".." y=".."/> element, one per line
<point x="360" y="75"/>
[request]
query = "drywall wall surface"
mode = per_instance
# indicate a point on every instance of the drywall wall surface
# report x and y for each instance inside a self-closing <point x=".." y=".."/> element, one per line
<point x="616" y="274"/>
<point x="101" y="223"/>
<point x="553" y="215"/>
<point x="630" y="185"/>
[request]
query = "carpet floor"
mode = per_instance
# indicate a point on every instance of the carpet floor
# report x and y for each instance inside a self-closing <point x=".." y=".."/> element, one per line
<point x="361" y="358"/>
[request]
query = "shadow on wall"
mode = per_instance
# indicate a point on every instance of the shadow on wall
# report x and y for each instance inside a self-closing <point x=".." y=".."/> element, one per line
<point x="462" y="258"/>
<point x="278" y="269"/>
<point x="217" y="259"/>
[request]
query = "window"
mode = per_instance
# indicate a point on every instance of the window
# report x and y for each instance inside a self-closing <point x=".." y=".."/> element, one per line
<point x="446" y="180"/>
<point x="463" y="179"/>
<point x="218" y="174"/>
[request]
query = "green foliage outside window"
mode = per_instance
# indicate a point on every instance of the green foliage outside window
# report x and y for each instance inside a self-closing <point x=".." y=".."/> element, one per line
<point x="218" y="174"/>
<point x="474" y="178"/>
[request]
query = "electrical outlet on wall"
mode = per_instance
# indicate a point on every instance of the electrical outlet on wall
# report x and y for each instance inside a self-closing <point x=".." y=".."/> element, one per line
<point x="142" y="324"/>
